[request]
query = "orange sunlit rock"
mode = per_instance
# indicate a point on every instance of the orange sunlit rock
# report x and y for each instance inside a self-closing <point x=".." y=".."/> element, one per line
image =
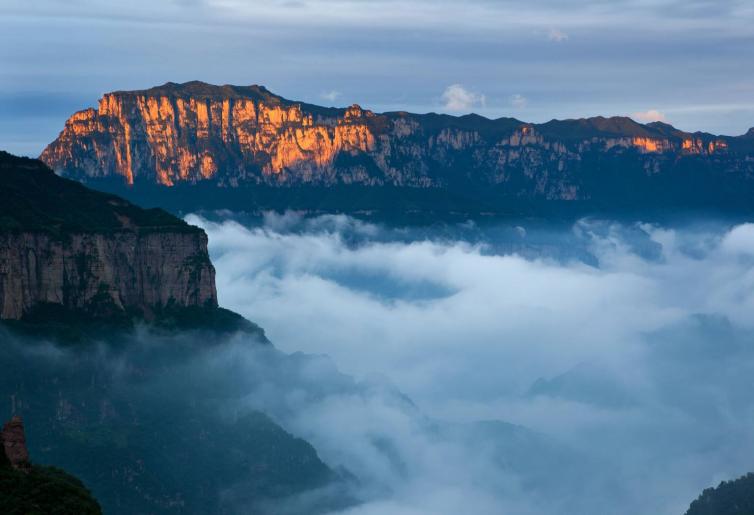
<point x="284" y="133"/>
<point x="647" y="144"/>
<point x="717" y="145"/>
<point x="208" y="166"/>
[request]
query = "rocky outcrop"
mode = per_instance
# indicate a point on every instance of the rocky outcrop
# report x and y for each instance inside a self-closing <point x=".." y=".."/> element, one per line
<point x="27" y="488"/>
<point x="76" y="250"/>
<point x="13" y="441"/>
<point x="234" y="137"/>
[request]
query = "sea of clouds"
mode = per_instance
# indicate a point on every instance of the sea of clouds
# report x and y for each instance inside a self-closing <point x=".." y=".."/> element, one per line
<point x="588" y="368"/>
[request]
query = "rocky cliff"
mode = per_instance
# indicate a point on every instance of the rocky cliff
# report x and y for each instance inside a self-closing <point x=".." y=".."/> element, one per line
<point x="244" y="137"/>
<point x="27" y="488"/>
<point x="13" y="440"/>
<point x="66" y="247"/>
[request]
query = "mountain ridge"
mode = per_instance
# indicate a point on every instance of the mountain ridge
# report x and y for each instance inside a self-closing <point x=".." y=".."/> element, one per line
<point x="245" y="137"/>
<point x="258" y="91"/>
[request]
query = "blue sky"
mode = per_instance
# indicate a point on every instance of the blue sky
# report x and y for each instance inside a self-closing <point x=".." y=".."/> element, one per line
<point x="690" y="63"/>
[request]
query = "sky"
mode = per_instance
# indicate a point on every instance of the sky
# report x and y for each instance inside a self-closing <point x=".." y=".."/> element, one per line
<point x="685" y="62"/>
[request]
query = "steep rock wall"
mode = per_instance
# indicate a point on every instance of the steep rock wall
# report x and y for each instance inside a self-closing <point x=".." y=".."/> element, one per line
<point x="238" y="136"/>
<point x="123" y="270"/>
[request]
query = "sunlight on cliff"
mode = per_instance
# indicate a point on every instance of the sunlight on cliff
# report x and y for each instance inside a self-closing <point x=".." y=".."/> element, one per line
<point x="173" y="138"/>
<point x="647" y="144"/>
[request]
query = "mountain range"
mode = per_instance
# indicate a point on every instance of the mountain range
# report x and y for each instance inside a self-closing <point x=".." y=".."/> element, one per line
<point x="196" y="145"/>
<point x="106" y="409"/>
<point x="68" y="253"/>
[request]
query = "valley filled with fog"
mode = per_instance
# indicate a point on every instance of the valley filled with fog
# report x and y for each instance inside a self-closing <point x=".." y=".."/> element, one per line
<point x="589" y="368"/>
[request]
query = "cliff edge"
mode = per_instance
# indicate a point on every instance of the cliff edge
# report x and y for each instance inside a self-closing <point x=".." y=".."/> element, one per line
<point x="67" y="249"/>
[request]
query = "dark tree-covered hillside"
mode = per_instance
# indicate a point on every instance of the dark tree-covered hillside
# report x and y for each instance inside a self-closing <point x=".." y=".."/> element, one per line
<point x="729" y="498"/>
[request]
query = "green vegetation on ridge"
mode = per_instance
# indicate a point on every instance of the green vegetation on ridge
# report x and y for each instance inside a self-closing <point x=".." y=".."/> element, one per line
<point x="728" y="498"/>
<point x="35" y="199"/>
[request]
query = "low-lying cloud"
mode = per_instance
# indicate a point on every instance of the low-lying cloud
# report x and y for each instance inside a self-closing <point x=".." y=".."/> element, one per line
<point x="599" y="368"/>
<point x="620" y="353"/>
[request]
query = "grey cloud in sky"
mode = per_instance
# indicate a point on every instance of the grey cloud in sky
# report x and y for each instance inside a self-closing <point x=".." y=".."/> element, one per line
<point x="557" y="35"/>
<point x="570" y="59"/>
<point x="457" y="98"/>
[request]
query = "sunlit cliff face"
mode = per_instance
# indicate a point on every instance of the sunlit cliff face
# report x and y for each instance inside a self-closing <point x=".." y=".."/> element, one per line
<point x="187" y="137"/>
<point x="647" y="144"/>
<point x="302" y="141"/>
<point x="717" y="145"/>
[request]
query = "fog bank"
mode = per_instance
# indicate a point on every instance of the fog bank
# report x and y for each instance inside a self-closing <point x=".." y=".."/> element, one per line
<point x="616" y="358"/>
